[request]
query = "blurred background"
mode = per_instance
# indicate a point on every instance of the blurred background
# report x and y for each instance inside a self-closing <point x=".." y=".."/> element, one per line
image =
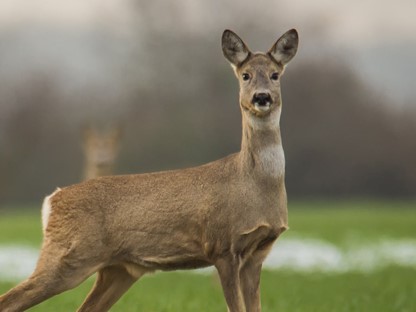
<point x="96" y="87"/>
<point x="155" y="71"/>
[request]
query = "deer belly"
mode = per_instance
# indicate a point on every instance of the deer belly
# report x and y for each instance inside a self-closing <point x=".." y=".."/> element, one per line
<point x="161" y="252"/>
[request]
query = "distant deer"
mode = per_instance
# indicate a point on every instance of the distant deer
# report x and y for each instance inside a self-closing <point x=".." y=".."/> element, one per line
<point x="226" y="213"/>
<point x="101" y="148"/>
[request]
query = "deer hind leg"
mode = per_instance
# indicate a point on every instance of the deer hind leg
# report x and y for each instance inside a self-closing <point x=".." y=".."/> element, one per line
<point x="111" y="283"/>
<point x="228" y="271"/>
<point x="50" y="278"/>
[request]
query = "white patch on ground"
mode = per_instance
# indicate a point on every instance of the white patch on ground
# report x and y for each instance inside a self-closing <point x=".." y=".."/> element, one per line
<point x="17" y="262"/>
<point x="309" y="255"/>
<point x="301" y="255"/>
<point x="304" y="255"/>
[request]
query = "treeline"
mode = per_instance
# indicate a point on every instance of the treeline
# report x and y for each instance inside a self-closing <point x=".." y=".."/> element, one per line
<point x="340" y="137"/>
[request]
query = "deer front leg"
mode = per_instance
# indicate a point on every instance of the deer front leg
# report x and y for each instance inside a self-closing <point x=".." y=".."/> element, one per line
<point x="250" y="284"/>
<point x="228" y="271"/>
<point x="258" y="244"/>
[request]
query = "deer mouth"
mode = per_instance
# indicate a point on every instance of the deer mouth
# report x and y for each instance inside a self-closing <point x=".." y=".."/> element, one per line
<point x="258" y="110"/>
<point x="262" y="107"/>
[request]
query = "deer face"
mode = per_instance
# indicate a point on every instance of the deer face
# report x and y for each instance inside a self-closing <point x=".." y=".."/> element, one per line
<point x="259" y="84"/>
<point x="259" y="73"/>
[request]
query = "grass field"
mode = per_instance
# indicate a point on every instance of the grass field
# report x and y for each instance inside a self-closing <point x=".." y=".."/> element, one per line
<point x="388" y="288"/>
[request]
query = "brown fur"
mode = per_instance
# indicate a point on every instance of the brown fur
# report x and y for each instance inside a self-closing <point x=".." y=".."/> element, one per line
<point x="226" y="213"/>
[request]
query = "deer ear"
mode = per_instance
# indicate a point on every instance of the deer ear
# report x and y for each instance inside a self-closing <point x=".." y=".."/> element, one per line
<point x="285" y="47"/>
<point x="234" y="49"/>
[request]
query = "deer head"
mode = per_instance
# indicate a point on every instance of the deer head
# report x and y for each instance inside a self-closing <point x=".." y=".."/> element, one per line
<point x="259" y="73"/>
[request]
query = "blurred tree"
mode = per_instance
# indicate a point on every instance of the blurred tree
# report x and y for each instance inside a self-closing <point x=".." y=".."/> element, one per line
<point x="342" y="139"/>
<point x="178" y="102"/>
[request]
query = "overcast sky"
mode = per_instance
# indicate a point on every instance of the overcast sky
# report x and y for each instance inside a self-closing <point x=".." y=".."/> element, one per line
<point x="358" y="21"/>
<point x="377" y="37"/>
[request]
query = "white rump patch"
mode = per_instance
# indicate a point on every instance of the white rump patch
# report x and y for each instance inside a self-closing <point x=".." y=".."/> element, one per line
<point x="47" y="208"/>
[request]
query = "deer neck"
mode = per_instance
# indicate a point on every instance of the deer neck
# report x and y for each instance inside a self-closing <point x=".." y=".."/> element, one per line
<point x="261" y="154"/>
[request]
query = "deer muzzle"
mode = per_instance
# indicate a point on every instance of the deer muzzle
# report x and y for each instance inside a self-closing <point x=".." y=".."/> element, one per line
<point x="262" y="101"/>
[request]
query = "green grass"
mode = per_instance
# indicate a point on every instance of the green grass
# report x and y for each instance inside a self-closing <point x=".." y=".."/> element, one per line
<point x="392" y="289"/>
<point x="16" y="228"/>
<point x="388" y="289"/>
<point x="357" y="221"/>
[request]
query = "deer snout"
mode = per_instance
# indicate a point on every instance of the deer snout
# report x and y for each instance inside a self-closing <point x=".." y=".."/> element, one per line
<point x="262" y="99"/>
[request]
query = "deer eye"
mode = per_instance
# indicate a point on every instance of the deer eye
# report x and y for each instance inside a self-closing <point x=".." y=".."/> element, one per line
<point x="245" y="76"/>
<point x="274" y="76"/>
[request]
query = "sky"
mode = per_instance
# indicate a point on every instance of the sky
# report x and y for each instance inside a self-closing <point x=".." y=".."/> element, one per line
<point x="368" y="22"/>
<point x="376" y="38"/>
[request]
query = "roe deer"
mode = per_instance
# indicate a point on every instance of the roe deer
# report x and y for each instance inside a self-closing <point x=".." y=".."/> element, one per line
<point x="226" y="213"/>
<point x="101" y="148"/>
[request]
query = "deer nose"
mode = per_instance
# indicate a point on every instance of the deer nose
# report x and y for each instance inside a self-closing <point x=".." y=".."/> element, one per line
<point x="262" y="99"/>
